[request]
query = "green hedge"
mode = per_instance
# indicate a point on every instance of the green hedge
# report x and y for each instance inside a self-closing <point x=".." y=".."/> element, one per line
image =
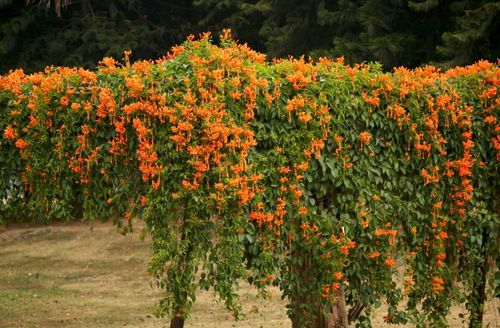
<point x="321" y="178"/>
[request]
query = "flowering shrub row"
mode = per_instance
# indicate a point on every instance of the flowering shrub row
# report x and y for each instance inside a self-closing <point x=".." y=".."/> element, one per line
<point x="321" y="178"/>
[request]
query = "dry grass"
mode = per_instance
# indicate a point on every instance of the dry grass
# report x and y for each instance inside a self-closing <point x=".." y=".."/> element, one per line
<point x="72" y="276"/>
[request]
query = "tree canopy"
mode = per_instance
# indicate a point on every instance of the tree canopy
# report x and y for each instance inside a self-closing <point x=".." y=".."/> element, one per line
<point x="35" y="34"/>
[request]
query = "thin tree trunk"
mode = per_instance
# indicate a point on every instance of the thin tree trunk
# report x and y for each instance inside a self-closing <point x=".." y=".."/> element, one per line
<point x="355" y="312"/>
<point x="334" y="317"/>
<point x="339" y="310"/>
<point x="478" y="294"/>
<point x="177" y="322"/>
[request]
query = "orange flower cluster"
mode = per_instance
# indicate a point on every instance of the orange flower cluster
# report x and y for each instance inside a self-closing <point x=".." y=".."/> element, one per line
<point x="202" y="133"/>
<point x="134" y="85"/>
<point x="118" y="145"/>
<point x="390" y="262"/>
<point x="463" y="167"/>
<point x="437" y="285"/>
<point x="398" y="113"/>
<point x="303" y="74"/>
<point x="391" y="233"/>
<point x="262" y="218"/>
<point x="365" y="137"/>
<point x="22" y="144"/>
<point x="328" y="290"/>
<point x="10" y="133"/>
<point x="430" y="178"/>
<point x="371" y="100"/>
<point x="107" y="104"/>
<point x="146" y="154"/>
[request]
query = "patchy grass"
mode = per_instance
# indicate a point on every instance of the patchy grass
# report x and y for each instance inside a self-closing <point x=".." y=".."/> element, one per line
<point x="74" y="276"/>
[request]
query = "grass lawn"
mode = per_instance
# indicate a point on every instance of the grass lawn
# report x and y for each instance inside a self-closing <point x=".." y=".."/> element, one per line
<point x="73" y="276"/>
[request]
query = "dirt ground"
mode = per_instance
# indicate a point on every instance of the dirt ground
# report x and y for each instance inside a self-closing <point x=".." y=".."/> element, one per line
<point x="73" y="276"/>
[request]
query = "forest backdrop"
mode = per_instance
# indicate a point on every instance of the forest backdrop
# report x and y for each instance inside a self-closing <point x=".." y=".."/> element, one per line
<point x="37" y="33"/>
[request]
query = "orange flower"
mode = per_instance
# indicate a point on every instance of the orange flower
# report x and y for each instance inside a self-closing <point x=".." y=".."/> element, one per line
<point x="75" y="106"/>
<point x="303" y="210"/>
<point x="134" y="85"/>
<point x="295" y="103"/>
<point x="490" y="119"/>
<point x="304" y="117"/>
<point x="440" y="259"/>
<point x="155" y="184"/>
<point x="107" y="103"/>
<point x="365" y="138"/>
<point x="442" y="235"/>
<point x="344" y="250"/>
<point x="226" y="34"/>
<point x="437" y="285"/>
<point x="9" y="133"/>
<point x="409" y="282"/>
<point x="64" y="101"/>
<point x="21" y="144"/>
<point x="372" y="101"/>
<point x="283" y="170"/>
<point x="390" y="262"/>
<point x="109" y="63"/>
<point x="326" y="291"/>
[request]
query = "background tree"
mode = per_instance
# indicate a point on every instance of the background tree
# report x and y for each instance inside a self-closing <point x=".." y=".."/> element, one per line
<point x="33" y="36"/>
<point x="393" y="32"/>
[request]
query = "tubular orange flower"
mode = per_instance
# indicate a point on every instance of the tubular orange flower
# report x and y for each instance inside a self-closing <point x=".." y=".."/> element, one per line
<point x="344" y="250"/>
<point x="390" y="262"/>
<point x="75" y="106"/>
<point x="107" y="103"/>
<point x="64" y="101"/>
<point x="134" y="85"/>
<point x="365" y="138"/>
<point x="303" y="210"/>
<point x="304" y="117"/>
<point x="9" y="133"/>
<point x="372" y="101"/>
<point x="437" y="285"/>
<point x="21" y="144"/>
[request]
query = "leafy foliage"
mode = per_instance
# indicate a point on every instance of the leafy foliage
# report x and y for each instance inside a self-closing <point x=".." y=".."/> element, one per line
<point x="316" y="177"/>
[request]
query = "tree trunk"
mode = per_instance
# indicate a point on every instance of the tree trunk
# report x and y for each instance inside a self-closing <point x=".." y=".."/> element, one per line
<point x="177" y="322"/>
<point x="339" y="310"/>
<point x="478" y="294"/>
<point x="355" y="311"/>
<point x="334" y="317"/>
<point x="319" y="317"/>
